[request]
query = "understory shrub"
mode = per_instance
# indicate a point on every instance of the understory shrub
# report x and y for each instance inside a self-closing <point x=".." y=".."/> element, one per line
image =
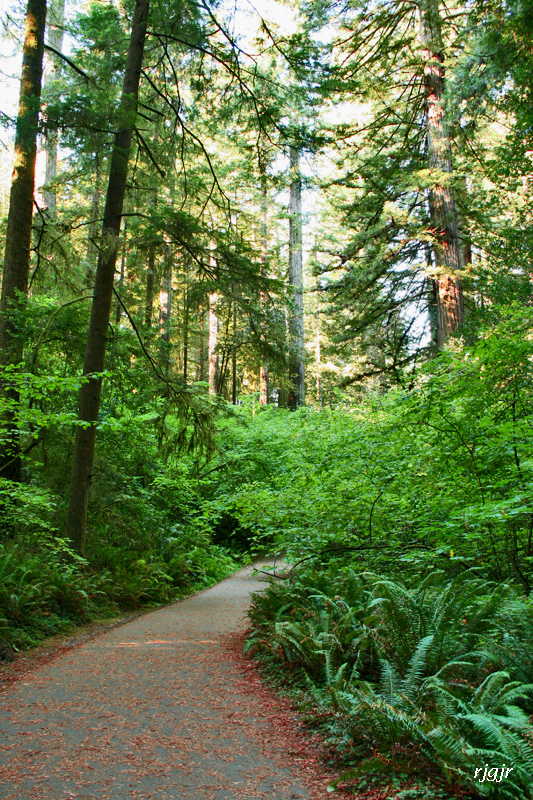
<point x="45" y="588"/>
<point x="439" y="663"/>
<point x="436" y="475"/>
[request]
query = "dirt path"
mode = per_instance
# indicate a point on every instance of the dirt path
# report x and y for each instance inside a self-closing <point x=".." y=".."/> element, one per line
<point x="161" y="708"/>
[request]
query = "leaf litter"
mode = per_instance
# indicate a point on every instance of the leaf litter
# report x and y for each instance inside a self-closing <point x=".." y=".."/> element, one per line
<point x="178" y="714"/>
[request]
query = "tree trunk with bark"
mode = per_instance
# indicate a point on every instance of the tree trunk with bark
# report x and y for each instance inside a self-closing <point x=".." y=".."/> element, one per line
<point x="84" y="448"/>
<point x="150" y="278"/>
<point x="19" y="224"/>
<point x="443" y="209"/>
<point x="200" y="371"/>
<point x="52" y="72"/>
<point x="264" y="395"/>
<point x="212" y="344"/>
<point x="296" y="314"/>
<point x="165" y="312"/>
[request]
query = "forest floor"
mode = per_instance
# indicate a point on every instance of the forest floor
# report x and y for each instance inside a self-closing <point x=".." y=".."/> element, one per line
<point x="161" y="707"/>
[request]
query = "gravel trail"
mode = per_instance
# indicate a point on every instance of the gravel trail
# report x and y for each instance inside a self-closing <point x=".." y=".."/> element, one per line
<point x="160" y="708"/>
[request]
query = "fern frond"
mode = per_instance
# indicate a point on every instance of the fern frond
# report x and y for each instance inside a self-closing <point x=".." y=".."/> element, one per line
<point x="390" y="681"/>
<point x="417" y="667"/>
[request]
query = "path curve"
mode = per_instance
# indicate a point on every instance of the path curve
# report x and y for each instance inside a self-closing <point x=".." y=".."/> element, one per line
<point x="157" y="709"/>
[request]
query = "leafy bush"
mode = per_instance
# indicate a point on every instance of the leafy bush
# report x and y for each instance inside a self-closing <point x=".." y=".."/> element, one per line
<point x="148" y="541"/>
<point x="45" y="587"/>
<point x="439" y="475"/>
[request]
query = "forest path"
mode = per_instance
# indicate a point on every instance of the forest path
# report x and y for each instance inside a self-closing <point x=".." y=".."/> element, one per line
<point x="160" y="708"/>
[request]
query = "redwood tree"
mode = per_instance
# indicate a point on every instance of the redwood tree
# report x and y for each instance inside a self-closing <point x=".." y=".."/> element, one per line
<point x="443" y="209"/>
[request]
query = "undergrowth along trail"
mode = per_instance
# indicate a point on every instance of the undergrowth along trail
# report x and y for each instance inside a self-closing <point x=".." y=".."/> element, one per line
<point x="160" y="708"/>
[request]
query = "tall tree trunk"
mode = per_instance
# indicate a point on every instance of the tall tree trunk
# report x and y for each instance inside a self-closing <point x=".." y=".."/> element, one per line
<point x="432" y="295"/>
<point x="200" y="373"/>
<point x="212" y="344"/>
<point x="83" y="459"/>
<point x="19" y="221"/>
<point x="165" y="312"/>
<point x="186" y="312"/>
<point x="52" y="72"/>
<point x="296" y="315"/>
<point x="264" y="396"/>
<point x="443" y="209"/>
<point x="150" y="278"/>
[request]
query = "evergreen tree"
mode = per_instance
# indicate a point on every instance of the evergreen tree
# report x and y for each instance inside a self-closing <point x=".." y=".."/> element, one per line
<point x="16" y="272"/>
<point x="94" y="363"/>
<point x="394" y="186"/>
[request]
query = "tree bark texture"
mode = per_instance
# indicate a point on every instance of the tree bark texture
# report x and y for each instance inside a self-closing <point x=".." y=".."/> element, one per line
<point x="443" y="209"/>
<point x="103" y="289"/>
<point x="93" y="227"/>
<point x="264" y="395"/>
<point x="52" y="72"/>
<point x="200" y="371"/>
<point x="296" y="314"/>
<point x="165" y="303"/>
<point x="212" y="344"/>
<point x="150" y="278"/>
<point x="185" y="330"/>
<point x="19" y="223"/>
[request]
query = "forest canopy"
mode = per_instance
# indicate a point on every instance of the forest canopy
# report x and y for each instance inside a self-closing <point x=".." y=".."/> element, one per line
<point x="267" y="287"/>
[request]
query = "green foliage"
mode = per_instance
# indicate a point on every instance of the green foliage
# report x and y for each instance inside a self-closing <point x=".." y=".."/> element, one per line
<point x="407" y="655"/>
<point x="394" y="665"/>
<point x="436" y="476"/>
<point x="433" y="479"/>
<point x="509" y="647"/>
<point x="148" y="541"/>
<point x="44" y="587"/>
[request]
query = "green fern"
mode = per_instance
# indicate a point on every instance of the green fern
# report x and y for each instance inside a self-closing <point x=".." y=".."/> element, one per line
<point x="420" y="664"/>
